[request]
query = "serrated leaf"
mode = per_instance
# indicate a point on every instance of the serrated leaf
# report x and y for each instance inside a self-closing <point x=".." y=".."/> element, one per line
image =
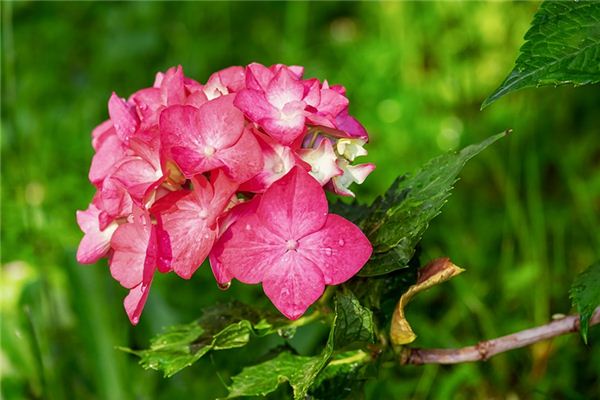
<point x="585" y="296"/>
<point x="262" y="379"/>
<point x="344" y="377"/>
<point x="399" y="218"/>
<point x="299" y="371"/>
<point x="562" y="46"/>
<point x="354" y="211"/>
<point x="224" y="326"/>
<point x="355" y="326"/>
<point x="434" y="273"/>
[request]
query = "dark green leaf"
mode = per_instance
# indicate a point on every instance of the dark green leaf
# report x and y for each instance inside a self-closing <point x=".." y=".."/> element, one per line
<point x="221" y="327"/>
<point x="354" y="322"/>
<point x="299" y="371"/>
<point x="354" y="212"/>
<point x="399" y="218"/>
<point x="264" y="378"/>
<point x="585" y="295"/>
<point x="344" y="377"/>
<point x="562" y="46"/>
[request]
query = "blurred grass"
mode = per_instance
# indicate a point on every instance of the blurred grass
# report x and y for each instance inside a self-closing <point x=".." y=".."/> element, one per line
<point x="523" y="220"/>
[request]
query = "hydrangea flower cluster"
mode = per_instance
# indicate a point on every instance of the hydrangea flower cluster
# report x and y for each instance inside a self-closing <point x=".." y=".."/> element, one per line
<point x="233" y="170"/>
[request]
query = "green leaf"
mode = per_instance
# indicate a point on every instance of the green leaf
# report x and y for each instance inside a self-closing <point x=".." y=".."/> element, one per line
<point x="224" y="326"/>
<point x="399" y="218"/>
<point x="562" y="46"/>
<point x="344" y="376"/>
<point x="299" y="371"/>
<point x="354" y="211"/>
<point x="354" y="322"/>
<point x="585" y="295"/>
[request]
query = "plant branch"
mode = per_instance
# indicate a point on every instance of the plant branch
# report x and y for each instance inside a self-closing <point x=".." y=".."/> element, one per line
<point x="486" y="349"/>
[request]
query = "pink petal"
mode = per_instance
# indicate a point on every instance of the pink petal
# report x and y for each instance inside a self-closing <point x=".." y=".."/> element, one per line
<point x="149" y="103"/>
<point x="277" y="161"/>
<point x="296" y="70"/>
<point x="172" y="88"/>
<point x="255" y="105"/>
<point x="123" y="116"/>
<point x="188" y="228"/>
<point x="101" y="132"/>
<point x="293" y="283"/>
<point x="114" y="198"/>
<point x="220" y="123"/>
<point x="258" y="76"/>
<point x="138" y="176"/>
<point x="247" y="249"/>
<point x="294" y="206"/>
<point x="351" y="126"/>
<point x="322" y="161"/>
<point x="340" y="249"/>
<point x="221" y="274"/>
<point x="95" y="242"/>
<point x="164" y="250"/>
<point x="284" y="88"/>
<point x="223" y="188"/>
<point x="135" y="301"/>
<point x="312" y="92"/>
<point x="108" y="155"/>
<point x="130" y="244"/>
<point x="284" y="129"/>
<point x="196" y="99"/>
<point x="243" y="160"/>
<point x="234" y="78"/>
<point x="332" y="103"/>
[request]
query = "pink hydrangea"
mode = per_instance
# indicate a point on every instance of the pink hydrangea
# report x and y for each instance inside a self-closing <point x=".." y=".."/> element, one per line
<point x="233" y="170"/>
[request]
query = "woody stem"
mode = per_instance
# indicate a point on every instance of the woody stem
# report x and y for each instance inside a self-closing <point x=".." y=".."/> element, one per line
<point x="482" y="351"/>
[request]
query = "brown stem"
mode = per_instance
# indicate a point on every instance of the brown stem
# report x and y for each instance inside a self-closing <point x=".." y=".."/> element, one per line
<point x="482" y="351"/>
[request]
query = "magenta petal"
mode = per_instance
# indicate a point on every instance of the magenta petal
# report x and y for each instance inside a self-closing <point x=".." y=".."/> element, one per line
<point x="172" y="88"/>
<point x="340" y="249"/>
<point x="188" y="228"/>
<point x="101" y="132"/>
<point x="96" y="241"/>
<point x="243" y="160"/>
<point x="123" y="116"/>
<point x="109" y="153"/>
<point x="135" y="301"/>
<point x="294" y="206"/>
<point x="220" y="122"/>
<point x="255" y="105"/>
<point x="137" y="176"/>
<point x="285" y="130"/>
<point x="284" y="88"/>
<point x="221" y="274"/>
<point x="258" y="76"/>
<point x="164" y="250"/>
<point x="293" y="284"/>
<point x="130" y="245"/>
<point x="247" y="249"/>
<point x="115" y="199"/>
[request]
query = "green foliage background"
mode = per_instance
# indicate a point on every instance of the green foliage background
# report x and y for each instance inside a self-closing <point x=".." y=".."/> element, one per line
<point x="523" y="220"/>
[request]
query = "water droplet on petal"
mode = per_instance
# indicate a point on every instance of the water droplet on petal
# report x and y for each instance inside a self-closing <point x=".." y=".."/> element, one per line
<point x="224" y="286"/>
<point x="248" y="227"/>
<point x="206" y="236"/>
<point x="341" y="242"/>
<point x="328" y="251"/>
<point x="117" y="126"/>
